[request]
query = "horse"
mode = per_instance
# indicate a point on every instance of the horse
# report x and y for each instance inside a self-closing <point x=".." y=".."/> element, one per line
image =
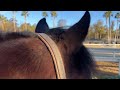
<point x="24" y="56"/>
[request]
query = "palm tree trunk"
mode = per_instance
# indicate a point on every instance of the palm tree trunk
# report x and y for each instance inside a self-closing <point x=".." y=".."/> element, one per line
<point x="115" y="36"/>
<point x="53" y="22"/>
<point x="14" y="21"/>
<point x="117" y="29"/>
<point x="100" y="36"/>
<point x="2" y="26"/>
<point x="95" y="36"/>
<point x="110" y="32"/>
<point x="25" y="24"/>
<point x="116" y="33"/>
<point x="107" y="29"/>
<point x="14" y="26"/>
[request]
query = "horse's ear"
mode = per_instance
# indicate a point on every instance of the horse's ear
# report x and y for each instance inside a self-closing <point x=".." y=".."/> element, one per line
<point x="76" y="34"/>
<point x="42" y="26"/>
<point x="80" y="29"/>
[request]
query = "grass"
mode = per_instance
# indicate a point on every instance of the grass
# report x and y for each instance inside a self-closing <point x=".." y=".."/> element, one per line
<point x="106" y="70"/>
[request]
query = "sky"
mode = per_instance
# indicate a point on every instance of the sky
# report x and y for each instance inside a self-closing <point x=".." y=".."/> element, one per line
<point x="71" y="17"/>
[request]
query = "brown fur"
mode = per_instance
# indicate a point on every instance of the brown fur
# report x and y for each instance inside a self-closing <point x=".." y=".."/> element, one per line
<point x="22" y="58"/>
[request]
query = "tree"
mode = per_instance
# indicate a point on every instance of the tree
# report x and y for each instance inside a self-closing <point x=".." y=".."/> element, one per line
<point x="22" y="27"/>
<point x="9" y="25"/>
<point x="3" y="20"/>
<point x="31" y="28"/>
<point x="44" y="14"/>
<point x="61" y="23"/>
<point x="91" y="33"/>
<point x="110" y="14"/>
<point x="98" y="29"/>
<point x="54" y="15"/>
<point x="112" y="29"/>
<point x="25" y="14"/>
<point x="112" y="25"/>
<point x="106" y="17"/>
<point x="14" y="20"/>
<point x="117" y="16"/>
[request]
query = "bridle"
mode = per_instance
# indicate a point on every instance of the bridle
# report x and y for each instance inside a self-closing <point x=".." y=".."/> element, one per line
<point x="57" y="59"/>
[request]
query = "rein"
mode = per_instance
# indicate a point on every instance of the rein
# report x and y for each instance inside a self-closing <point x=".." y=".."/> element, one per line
<point x="57" y="59"/>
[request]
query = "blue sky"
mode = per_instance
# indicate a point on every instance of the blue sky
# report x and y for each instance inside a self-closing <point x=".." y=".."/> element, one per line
<point x="70" y="16"/>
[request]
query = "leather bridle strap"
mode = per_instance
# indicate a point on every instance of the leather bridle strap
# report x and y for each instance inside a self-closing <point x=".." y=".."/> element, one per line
<point x="57" y="59"/>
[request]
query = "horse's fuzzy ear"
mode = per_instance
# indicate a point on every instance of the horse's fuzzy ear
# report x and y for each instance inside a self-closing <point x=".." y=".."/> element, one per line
<point x="42" y="26"/>
<point x="75" y="35"/>
<point x="80" y="29"/>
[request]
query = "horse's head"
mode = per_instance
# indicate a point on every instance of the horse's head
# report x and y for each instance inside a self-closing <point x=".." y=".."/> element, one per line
<point x="77" y="60"/>
<point x="72" y="37"/>
<point x="21" y="58"/>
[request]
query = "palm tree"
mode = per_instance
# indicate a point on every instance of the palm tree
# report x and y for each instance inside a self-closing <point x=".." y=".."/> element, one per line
<point x="112" y="29"/>
<point x="106" y="17"/>
<point x="54" y="15"/>
<point x="110" y="14"/>
<point x="44" y="14"/>
<point x="117" y="16"/>
<point x="14" y="20"/>
<point x="25" y="14"/>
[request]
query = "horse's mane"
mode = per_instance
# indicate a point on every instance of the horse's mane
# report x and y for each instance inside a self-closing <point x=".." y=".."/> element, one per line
<point x="6" y="36"/>
<point x="83" y="61"/>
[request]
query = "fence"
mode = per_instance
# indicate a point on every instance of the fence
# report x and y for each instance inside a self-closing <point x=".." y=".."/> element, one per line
<point x="105" y="52"/>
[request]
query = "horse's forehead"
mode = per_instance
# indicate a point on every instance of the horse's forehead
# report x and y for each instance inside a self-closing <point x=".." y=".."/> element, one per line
<point x="57" y="30"/>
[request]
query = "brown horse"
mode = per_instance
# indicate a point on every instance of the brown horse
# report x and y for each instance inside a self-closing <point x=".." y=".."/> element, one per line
<point x="24" y="56"/>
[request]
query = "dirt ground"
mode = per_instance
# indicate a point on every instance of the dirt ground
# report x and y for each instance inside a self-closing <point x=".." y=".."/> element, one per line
<point x="106" y="70"/>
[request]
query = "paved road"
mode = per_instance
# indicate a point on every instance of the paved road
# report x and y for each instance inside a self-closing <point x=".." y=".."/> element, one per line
<point x="105" y="53"/>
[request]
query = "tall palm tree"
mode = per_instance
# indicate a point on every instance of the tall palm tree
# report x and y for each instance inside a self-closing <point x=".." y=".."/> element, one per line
<point x="54" y="15"/>
<point x="14" y="20"/>
<point x="112" y="29"/>
<point x="44" y="14"/>
<point x="110" y="14"/>
<point x="117" y="16"/>
<point x="25" y="14"/>
<point x="106" y="17"/>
